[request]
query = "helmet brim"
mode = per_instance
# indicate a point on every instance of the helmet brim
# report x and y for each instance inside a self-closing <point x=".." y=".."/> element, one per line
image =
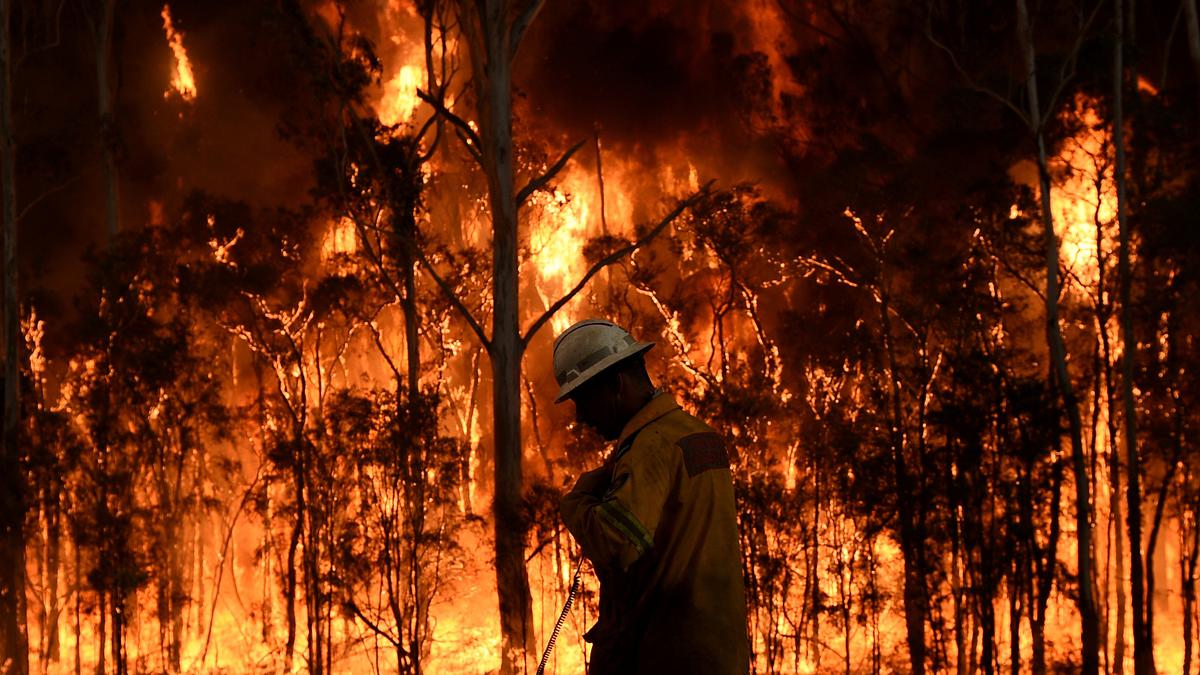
<point x="564" y="392"/>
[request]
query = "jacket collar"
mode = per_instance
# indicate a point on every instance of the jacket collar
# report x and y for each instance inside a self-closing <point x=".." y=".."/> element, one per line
<point x="658" y="406"/>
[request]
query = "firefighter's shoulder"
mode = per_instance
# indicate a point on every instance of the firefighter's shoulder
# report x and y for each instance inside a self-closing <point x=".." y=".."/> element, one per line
<point x="681" y="438"/>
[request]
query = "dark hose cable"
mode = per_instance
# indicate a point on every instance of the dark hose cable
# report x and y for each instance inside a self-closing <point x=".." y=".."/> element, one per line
<point x="561" y="618"/>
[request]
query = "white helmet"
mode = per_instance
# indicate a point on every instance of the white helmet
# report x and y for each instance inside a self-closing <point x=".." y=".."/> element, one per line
<point x="587" y="348"/>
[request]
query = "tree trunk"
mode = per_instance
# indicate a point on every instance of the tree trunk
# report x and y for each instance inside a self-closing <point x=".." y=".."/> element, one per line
<point x="289" y="596"/>
<point x="1089" y="619"/>
<point x="516" y="614"/>
<point x="404" y="232"/>
<point x="108" y="128"/>
<point x="14" y="644"/>
<point x="1014" y="618"/>
<point x="1118" y="545"/>
<point x="1114" y="499"/>
<point x="53" y="565"/>
<point x="412" y="348"/>
<point x="77" y="589"/>
<point x="1143" y="647"/>
<point x="486" y="26"/>
<point x="102" y="634"/>
<point x="1044" y="581"/>
<point x="987" y="621"/>
<point x="118" y="631"/>
<point x="912" y="536"/>
<point x="1193" y="31"/>
<point x="1188" y="565"/>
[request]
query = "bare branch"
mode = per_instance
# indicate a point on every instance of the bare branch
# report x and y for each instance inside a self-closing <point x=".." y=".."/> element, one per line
<point x="471" y="149"/>
<point x="521" y="25"/>
<point x="460" y="123"/>
<point x="612" y="258"/>
<point x="540" y="182"/>
<point x="455" y="301"/>
<point x="221" y="568"/>
<point x="377" y="337"/>
<point x="843" y="277"/>
<point x="378" y="630"/>
<point x="1067" y="70"/>
<point x="970" y="81"/>
<point x="50" y="44"/>
<point x="52" y="191"/>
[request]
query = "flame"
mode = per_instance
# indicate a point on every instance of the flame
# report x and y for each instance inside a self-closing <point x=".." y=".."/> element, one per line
<point x="1085" y="198"/>
<point x="341" y="239"/>
<point x="182" y="79"/>
<point x="400" y="100"/>
<point x="556" y="254"/>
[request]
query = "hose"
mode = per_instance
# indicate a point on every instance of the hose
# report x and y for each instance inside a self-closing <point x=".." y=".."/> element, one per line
<point x="561" y="618"/>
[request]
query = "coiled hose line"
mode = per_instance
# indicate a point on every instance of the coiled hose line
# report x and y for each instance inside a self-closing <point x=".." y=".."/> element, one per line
<point x="562" y="618"/>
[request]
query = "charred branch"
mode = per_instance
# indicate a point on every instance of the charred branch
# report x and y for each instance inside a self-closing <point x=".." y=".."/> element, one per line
<point x="541" y="181"/>
<point x="612" y="258"/>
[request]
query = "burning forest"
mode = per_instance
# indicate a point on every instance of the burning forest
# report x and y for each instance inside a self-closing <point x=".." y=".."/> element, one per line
<point x="282" y="282"/>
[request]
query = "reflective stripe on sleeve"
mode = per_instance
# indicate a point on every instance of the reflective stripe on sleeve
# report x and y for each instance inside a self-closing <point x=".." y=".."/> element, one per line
<point x="622" y="520"/>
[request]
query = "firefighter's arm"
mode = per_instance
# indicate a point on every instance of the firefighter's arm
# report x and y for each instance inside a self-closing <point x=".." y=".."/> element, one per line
<point x="614" y="521"/>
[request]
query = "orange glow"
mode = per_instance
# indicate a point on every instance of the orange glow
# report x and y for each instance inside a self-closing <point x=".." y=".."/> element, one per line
<point x="1146" y="86"/>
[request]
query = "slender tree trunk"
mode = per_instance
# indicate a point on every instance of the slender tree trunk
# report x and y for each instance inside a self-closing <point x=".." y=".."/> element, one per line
<point x="1115" y="527"/>
<point x="812" y="581"/>
<point x="175" y="592"/>
<point x="102" y="633"/>
<point x="960" y="613"/>
<point x="912" y="539"/>
<point x="118" y="631"/>
<point x="77" y="589"/>
<point x="412" y="348"/>
<point x="53" y="569"/>
<point x="1045" y="579"/>
<point x="1118" y="544"/>
<point x="1089" y="618"/>
<point x="1015" y="584"/>
<point x="289" y="593"/>
<point x="987" y="621"/>
<point x="1188" y="565"/>
<point x="486" y="25"/>
<point x="1193" y="31"/>
<point x="404" y="243"/>
<point x="108" y="128"/>
<point x="14" y="644"/>
<point x="1143" y="647"/>
<point x="1114" y="503"/>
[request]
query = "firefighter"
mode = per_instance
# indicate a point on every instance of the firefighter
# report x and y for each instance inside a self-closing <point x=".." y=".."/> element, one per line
<point x="657" y="519"/>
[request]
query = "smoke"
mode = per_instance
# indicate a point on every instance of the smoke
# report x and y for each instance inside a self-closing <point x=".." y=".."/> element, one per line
<point x="658" y="81"/>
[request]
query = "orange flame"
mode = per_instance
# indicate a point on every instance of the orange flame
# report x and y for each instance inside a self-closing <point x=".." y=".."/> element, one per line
<point x="182" y="79"/>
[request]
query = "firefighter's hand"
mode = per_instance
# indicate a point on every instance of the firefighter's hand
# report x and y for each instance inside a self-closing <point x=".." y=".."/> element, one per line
<point x="594" y="482"/>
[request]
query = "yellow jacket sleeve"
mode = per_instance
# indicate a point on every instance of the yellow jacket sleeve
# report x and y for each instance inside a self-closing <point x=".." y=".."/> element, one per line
<point x="615" y="523"/>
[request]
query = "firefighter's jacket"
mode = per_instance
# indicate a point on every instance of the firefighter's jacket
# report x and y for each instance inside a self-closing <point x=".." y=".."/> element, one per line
<point x="659" y="524"/>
